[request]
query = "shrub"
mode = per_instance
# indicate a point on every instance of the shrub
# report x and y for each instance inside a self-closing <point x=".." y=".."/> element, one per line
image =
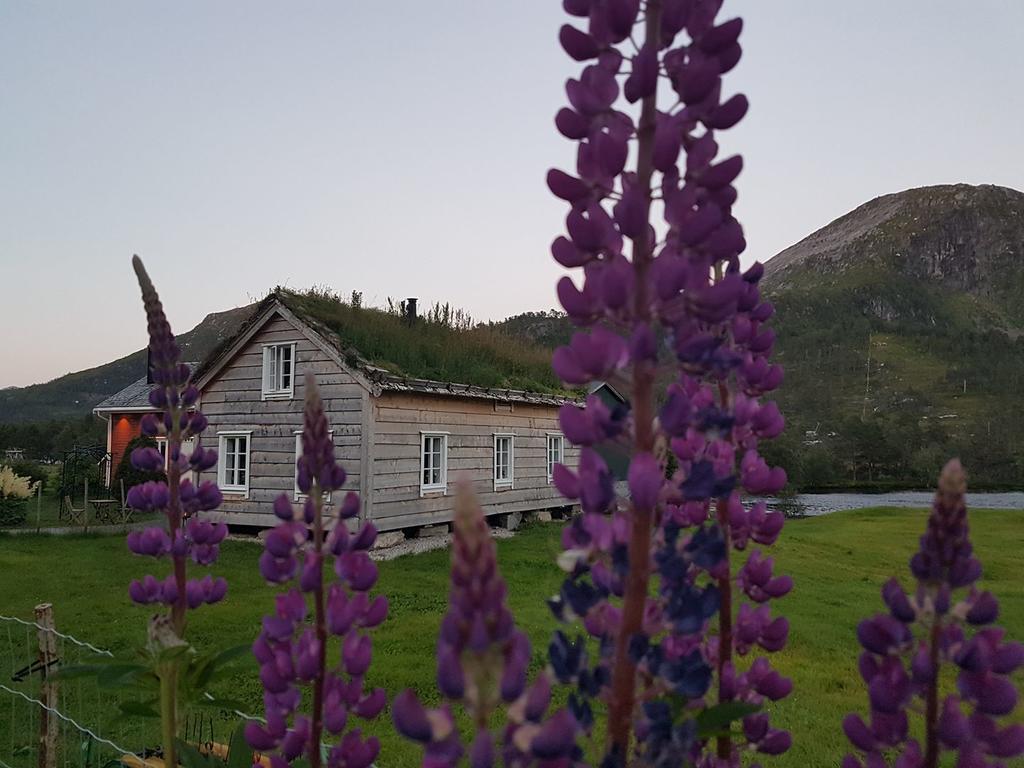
<point x="15" y="490"/>
<point x="34" y="471"/>
<point x="128" y="473"/>
<point x="12" y="512"/>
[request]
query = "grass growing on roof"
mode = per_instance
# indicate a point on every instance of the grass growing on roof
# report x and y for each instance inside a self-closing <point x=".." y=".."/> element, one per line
<point x="429" y="350"/>
<point x="838" y="562"/>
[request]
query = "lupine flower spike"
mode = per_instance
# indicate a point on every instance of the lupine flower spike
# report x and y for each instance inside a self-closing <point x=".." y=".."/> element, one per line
<point x="946" y="623"/>
<point x="185" y="535"/>
<point x="675" y="290"/>
<point x="481" y="665"/>
<point x="294" y="645"/>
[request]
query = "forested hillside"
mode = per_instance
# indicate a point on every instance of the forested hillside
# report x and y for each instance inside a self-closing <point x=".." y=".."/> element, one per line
<point x="74" y="395"/>
<point x="901" y="327"/>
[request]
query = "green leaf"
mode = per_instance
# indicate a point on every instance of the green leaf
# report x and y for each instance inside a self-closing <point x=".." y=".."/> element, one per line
<point x="190" y="757"/>
<point x="73" y="671"/>
<point x="716" y="720"/>
<point x="117" y="675"/>
<point x="239" y="752"/>
<point x="174" y="653"/>
<point x="139" y="708"/>
<point x="210" y="668"/>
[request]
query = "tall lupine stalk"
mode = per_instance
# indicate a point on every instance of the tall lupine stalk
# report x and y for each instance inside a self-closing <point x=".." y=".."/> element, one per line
<point x="680" y="287"/>
<point x="294" y="643"/>
<point x="185" y="537"/>
<point x="937" y="629"/>
<point x="481" y="667"/>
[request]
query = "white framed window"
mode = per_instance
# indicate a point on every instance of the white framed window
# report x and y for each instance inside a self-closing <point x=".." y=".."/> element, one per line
<point x="433" y="462"/>
<point x="555" y="452"/>
<point x="504" y="460"/>
<point x="279" y="371"/>
<point x="187" y="446"/>
<point x="233" y="462"/>
<point x="299" y="495"/>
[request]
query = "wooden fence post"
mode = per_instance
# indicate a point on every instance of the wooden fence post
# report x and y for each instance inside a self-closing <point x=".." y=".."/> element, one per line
<point x="39" y="505"/>
<point x="85" y="508"/>
<point x="48" y="692"/>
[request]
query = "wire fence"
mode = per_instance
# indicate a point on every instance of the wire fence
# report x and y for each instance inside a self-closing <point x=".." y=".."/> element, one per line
<point x="47" y="721"/>
<point x="53" y="722"/>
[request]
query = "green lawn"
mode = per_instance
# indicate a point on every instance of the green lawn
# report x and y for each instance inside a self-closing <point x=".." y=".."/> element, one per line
<point x="44" y="511"/>
<point x="839" y="562"/>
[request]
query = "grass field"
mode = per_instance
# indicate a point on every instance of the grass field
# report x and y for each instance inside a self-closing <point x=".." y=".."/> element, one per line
<point x="838" y="562"/>
<point x="44" y="511"/>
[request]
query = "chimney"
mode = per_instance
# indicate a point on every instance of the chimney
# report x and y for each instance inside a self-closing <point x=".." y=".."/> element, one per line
<point x="410" y="311"/>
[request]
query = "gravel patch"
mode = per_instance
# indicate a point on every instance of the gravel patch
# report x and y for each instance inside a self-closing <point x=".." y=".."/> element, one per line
<point x="405" y="547"/>
<point x="426" y="544"/>
<point x="102" y="530"/>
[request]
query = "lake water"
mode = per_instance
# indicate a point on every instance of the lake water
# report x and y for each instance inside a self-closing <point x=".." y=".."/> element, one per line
<point x="824" y="503"/>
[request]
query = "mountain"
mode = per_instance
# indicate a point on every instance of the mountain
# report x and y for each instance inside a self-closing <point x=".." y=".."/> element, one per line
<point x="549" y="329"/>
<point x="956" y="239"/>
<point x="75" y="394"/>
<point x="901" y="329"/>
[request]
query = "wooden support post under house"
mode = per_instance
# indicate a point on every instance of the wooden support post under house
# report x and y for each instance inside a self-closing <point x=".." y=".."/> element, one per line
<point x="49" y="693"/>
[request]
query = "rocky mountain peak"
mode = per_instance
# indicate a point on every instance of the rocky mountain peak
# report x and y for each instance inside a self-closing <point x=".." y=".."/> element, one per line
<point x="963" y="237"/>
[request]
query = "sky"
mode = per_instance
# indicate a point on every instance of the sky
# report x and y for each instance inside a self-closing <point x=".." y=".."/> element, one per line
<point x="400" y="148"/>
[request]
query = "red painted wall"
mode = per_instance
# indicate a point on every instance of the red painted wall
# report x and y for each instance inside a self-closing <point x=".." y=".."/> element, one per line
<point x="124" y="427"/>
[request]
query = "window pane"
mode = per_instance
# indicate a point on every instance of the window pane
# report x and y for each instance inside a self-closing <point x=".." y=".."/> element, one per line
<point x="286" y="366"/>
<point x="502" y="458"/>
<point x="429" y="460"/>
<point x="554" y="452"/>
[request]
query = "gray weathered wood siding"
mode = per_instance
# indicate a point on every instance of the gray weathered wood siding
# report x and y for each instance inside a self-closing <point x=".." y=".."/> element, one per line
<point x="397" y="424"/>
<point x="233" y="401"/>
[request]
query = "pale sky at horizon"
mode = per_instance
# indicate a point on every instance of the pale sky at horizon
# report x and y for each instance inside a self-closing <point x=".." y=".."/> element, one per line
<point x="244" y="144"/>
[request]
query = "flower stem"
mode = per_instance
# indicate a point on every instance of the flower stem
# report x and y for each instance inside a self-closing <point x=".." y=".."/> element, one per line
<point x="174" y="521"/>
<point x="931" y="756"/>
<point x="724" y="741"/>
<point x="321" y="631"/>
<point x="169" y="712"/>
<point x="169" y="675"/>
<point x="623" y="698"/>
<point x="623" y="692"/>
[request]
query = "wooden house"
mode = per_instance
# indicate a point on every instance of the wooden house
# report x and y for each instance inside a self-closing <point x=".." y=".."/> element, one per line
<point x="402" y="440"/>
<point x="123" y="412"/>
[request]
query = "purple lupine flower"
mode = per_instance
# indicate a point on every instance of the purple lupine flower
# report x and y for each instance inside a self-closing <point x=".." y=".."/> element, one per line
<point x="292" y="652"/>
<point x="481" y="656"/>
<point x="646" y="292"/>
<point x="185" y="536"/>
<point x="905" y="650"/>
<point x="179" y="500"/>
